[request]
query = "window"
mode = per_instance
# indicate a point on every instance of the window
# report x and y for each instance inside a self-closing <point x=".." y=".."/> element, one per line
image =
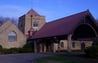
<point x="82" y="46"/>
<point x="35" y="24"/>
<point x="12" y="37"/>
<point x="73" y="44"/>
<point x="62" y="44"/>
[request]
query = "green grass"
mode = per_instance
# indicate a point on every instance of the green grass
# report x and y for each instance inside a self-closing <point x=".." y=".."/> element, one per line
<point x="65" y="59"/>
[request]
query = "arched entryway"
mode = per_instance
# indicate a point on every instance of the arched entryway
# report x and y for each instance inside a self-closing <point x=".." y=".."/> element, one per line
<point x="83" y="33"/>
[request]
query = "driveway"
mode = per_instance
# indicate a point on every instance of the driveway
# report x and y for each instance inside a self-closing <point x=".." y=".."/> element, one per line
<point x="20" y="58"/>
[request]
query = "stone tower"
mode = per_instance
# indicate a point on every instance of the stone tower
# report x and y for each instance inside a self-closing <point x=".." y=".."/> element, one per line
<point x="31" y="20"/>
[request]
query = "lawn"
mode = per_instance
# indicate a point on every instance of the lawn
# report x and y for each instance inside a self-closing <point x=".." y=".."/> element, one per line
<point x="65" y="59"/>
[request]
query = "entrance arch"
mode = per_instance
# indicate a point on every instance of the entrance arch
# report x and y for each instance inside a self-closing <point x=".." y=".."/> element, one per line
<point x="84" y="31"/>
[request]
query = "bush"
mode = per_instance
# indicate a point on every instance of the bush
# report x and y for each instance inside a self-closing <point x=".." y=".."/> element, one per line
<point x="14" y="50"/>
<point x="5" y="51"/>
<point x="0" y="47"/>
<point x="92" y="51"/>
<point x="10" y="51"/>
<point x="27" y="46"/>
<point x="26" y="49"/>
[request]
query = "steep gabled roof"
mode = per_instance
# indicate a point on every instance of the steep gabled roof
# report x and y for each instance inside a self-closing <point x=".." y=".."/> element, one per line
<point x="32" y="12"/>
<point x="6" y="26"/>
<point x="62" y="26"/>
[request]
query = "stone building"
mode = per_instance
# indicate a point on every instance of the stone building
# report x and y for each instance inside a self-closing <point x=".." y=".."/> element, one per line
<point x="74" y="32"/>
<point x="15" y="37"/>
<point x="31" y="20"/>
<point x="11" y="36"/>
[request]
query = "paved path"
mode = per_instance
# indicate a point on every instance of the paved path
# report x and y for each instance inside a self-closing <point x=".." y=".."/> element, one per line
<point x="27" y="57"/>
<point x="20" y="58"/>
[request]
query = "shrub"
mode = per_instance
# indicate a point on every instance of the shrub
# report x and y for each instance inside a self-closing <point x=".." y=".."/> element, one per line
<point x="26" y="48"/>
<point x="0" y="47"/>
<point x="14" y="50"/>
<point x="92" y="51"/>
<point x="6" y="51"/>
<point x="27" y="45"/>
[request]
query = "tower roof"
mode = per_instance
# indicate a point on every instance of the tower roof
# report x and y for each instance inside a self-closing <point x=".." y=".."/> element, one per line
<point x="32" y="12"/>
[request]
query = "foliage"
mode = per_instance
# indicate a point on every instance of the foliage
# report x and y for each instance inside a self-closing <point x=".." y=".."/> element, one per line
<point x="4" y="19"/>
<point x="27" y="45"/>
<point x="5" y="51"/>
<point x="26" y="49"/>
<point x="93" y="50"/>
<point x="95" y="42"/>
<point x="9" y="51"/>
<point x="0" y="47"/>
<point x="14" y="50"/>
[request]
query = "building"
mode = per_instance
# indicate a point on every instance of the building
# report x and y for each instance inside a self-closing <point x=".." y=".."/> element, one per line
<point x="69" y="33"/>
<point x="74" y="32"/>
<point x="31" y="20"/>
<point x="11" y="36"/>
<point x="16" y="37"/>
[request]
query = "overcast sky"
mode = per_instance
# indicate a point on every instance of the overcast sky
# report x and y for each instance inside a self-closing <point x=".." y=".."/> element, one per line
<point x="52" y="9"/>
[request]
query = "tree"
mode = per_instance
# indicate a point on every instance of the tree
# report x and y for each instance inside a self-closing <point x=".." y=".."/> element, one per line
<point x="4" y="19"/>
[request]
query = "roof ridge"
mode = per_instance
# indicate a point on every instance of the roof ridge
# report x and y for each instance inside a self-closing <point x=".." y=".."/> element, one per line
<point x="83" y="12"/>
<point x="32" y="12"/>
<point x="5" y="26"/>
<point x="65" y="25"/>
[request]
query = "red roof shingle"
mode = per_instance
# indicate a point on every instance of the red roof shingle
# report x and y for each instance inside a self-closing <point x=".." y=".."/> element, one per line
<point x="59" y="27"/>
<point x="32" y="12"/>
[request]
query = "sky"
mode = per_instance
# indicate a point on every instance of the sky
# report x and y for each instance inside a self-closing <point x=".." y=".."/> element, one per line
<point x="51" y="9"/>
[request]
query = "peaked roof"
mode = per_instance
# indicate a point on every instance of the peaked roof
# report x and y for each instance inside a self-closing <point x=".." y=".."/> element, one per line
<point x="6" y="26"/>
<point x="62" y="26"/>
<point x="32" y="12"/>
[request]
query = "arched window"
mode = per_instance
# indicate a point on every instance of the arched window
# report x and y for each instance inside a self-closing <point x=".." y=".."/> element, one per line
<point x="12" y="37"/>
<point x="62" y="44"/>
<point x="73" y="44"/>
<point x="35" y="24"/>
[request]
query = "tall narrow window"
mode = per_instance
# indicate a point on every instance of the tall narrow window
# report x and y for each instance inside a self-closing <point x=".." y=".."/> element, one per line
<point x="82" y="46"/>
<point x="73" y="44"/>
<point x="62" y="44"/>
<point x="12" y="37"/>
<point x="35" y="24"/>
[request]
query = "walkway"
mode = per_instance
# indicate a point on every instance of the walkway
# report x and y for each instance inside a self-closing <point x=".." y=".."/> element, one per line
<point x="20" y="58"/>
